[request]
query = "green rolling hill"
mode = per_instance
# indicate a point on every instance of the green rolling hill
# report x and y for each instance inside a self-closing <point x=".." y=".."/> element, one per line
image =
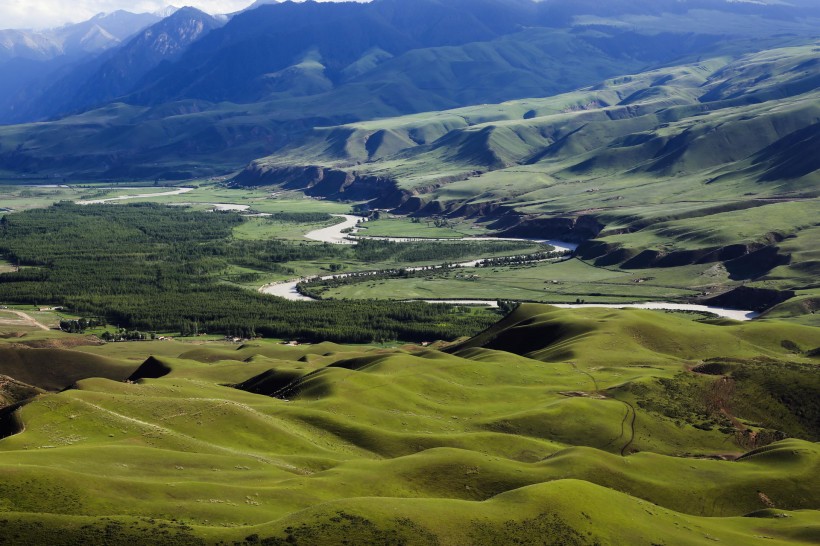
<point x="542" y="426"/>
<point x="684" y="120"/>
<point x="674" y="142"/>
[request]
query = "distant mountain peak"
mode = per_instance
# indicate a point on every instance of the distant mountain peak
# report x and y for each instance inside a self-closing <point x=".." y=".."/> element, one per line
<point x="107" y="15"/>
<point x="98" y="38"/>
<point x="259" y="3"/>
<point x="167" y="11"/>
<point x="262" y="3"/>
<point x="190" y="10"/>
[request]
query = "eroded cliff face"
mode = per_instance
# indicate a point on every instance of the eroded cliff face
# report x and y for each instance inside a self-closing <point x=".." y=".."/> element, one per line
<point x="742" y="261"/>
<point x="318" y="181"/>
<point x="385" y="193"/>
<point x="568" y="228"/>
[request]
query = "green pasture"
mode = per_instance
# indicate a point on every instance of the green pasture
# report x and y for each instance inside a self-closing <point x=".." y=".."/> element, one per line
<point x="786" y="219"/>
<point x="549" y="282"/>
<point x="423" y="228"/>
<point x="264" y="228"/>
<point x="542" y="424"/>
<point x="19" y="198"/>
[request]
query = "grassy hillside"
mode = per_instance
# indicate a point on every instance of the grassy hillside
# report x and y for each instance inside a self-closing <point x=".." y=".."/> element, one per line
<point x="553" y="424"/>
<point x="704" y="168"/>
<point x="662" y="122"/>
<point x="57" y="369"/>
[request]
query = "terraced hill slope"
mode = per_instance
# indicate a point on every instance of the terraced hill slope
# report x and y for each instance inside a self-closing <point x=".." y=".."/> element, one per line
<point x="544" y="428"/>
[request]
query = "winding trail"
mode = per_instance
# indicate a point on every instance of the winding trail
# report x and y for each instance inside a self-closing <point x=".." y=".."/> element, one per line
<point x="179" y="191"/>
<point x="631" y="427"/>
<point x="343" y="233"/>
<point x="26" y="320"/>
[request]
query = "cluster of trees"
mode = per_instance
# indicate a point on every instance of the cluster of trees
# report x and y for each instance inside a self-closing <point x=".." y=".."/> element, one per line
<point x="507" y="306"/>
<point x="78" y="326"/>
<point x="315" y="287"/>
<point x="299" y="217"/>
<point x="148" y="268"/>
<point x="524" y="259"/>
<point x="375" y="250"/>
<point x="125" y="335"/>
<point x="437" y="221"/>
<point x="243" y="313"/>
<point x="272" y="254"/>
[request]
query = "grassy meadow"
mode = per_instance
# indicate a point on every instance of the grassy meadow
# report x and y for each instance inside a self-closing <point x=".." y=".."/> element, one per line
<point x="552" y="423"/>
<point x="549" y="282"/>
<point x="399" y="226"/>
<point x="205" y="193"/>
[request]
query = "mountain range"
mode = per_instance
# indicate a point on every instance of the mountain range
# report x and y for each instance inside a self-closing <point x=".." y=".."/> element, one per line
<point x="224" y="95"/>
<point x="709" y="162"/>
<point x="31" y="59"/>
<point x="101" y="32"/>
<point x="109" y="75"/>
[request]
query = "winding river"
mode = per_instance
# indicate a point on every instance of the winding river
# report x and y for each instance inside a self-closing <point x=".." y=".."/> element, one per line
<point x="337" y="234"/>
<point x="344" y="233"/>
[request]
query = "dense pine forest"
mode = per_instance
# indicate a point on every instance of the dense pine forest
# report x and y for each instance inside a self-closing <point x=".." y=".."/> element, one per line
<point x="157" y="268"/>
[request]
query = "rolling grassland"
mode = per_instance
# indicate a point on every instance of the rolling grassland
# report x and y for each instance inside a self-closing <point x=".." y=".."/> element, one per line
<point x="588" y="426"/>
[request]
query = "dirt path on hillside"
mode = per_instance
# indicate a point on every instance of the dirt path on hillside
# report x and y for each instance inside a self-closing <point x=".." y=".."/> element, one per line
<point x="25" y="320"/>
<point x="631" y="427"/>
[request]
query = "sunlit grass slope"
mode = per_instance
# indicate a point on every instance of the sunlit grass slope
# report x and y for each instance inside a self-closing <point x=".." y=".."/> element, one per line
<point x="554" y="426"/>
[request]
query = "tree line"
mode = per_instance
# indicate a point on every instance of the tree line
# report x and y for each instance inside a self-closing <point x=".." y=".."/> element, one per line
<point x="151" y="268"/>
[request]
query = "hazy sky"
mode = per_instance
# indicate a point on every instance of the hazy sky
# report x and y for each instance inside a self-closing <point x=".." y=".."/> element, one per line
<point x="53" y="13"/>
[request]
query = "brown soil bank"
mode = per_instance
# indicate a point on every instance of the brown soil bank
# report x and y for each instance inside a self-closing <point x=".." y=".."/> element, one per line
<point x="13" y="392"/>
